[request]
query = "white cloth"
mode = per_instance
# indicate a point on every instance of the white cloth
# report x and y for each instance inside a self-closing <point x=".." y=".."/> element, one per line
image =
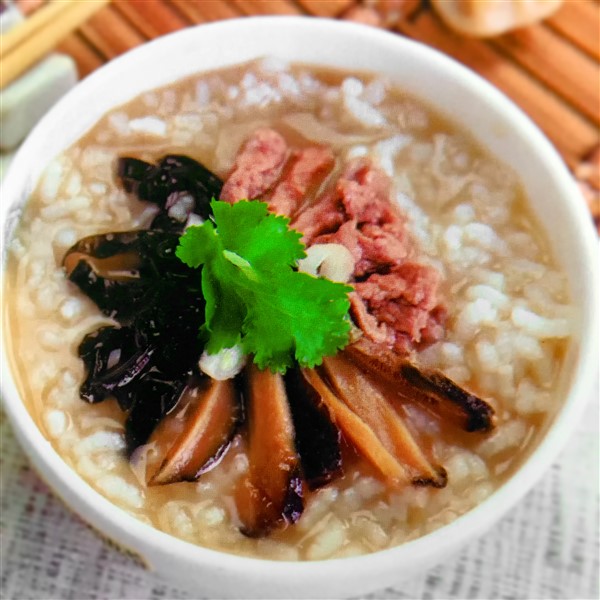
<point x="546" y="547"/>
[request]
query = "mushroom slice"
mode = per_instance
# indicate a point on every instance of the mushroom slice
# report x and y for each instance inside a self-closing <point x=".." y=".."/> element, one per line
<point x="358" y="432"/>
<point x="473" y="413"/>
<point x="317" y="438"/>
<point x="270" y="496"/>
<point x="370" y="405"/>
<point x="429" y="386"/>
<point x="193" y="438"/>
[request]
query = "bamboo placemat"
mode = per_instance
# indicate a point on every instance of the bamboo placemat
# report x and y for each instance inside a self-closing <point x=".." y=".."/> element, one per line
<point x="550" y="69"/>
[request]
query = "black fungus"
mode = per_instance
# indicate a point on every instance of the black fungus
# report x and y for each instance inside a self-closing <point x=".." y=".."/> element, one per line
<point x="114" y="358"/>
<point x="126" y="272"/>
<point x="135" y="278"/>
<point x="178" y="185"/>
<point x="132" y="172"/>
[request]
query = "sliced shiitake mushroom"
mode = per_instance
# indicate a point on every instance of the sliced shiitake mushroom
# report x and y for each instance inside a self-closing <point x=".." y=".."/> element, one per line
<point x="270" y="496"/>
<point x="429" y="386"/>
<point x="357" y="431"/>
<point x="360" y="395"/>
<point x="193" y="438"/>
<point x="473" y="413"/>
<point x="317" y="438"/>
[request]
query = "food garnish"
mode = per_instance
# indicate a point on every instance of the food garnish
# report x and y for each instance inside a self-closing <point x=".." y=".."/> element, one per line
<point x="255" y="297"/>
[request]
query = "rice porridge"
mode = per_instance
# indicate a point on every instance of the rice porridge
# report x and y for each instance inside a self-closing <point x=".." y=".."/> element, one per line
<point x="502" y="334"/>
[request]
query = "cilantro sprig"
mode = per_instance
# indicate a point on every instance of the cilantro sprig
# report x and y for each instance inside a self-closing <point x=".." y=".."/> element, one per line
<point x="253" y="294"/>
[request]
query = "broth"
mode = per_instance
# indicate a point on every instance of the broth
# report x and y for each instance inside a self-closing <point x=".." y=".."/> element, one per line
<point x="505" y="338"/>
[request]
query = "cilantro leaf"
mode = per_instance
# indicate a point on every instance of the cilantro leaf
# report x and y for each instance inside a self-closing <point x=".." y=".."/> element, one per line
<point x="262" y="238"/>
<point x="224" y="312"/>
<point x="197" y="245"/>
<point x="253" y="294"/>
<point x="302" y="316"/>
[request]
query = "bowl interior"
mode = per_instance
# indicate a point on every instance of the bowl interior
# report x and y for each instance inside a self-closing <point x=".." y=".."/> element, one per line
<point x="455" y="92"/>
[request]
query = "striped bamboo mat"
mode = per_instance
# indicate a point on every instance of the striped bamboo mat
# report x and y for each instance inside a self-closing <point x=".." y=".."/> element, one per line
<point x="551" y="69"/>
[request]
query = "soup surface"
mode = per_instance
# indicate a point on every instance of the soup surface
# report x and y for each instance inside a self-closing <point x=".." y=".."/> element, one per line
<point x="507" y="303"/>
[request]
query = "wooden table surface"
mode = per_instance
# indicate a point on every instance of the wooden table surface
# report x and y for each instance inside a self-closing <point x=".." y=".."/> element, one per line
<point x="550" y="69"/>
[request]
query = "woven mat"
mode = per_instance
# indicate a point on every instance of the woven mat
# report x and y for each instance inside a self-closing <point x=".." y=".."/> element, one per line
<point x="548" y="546"/>
<point x="551" y="69"/>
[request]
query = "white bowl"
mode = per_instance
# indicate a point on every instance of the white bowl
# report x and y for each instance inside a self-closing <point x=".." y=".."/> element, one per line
<point x="445" y="85"/>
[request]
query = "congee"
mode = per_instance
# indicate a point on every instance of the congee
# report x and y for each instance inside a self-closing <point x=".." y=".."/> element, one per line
<point x="285" y="312"/>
